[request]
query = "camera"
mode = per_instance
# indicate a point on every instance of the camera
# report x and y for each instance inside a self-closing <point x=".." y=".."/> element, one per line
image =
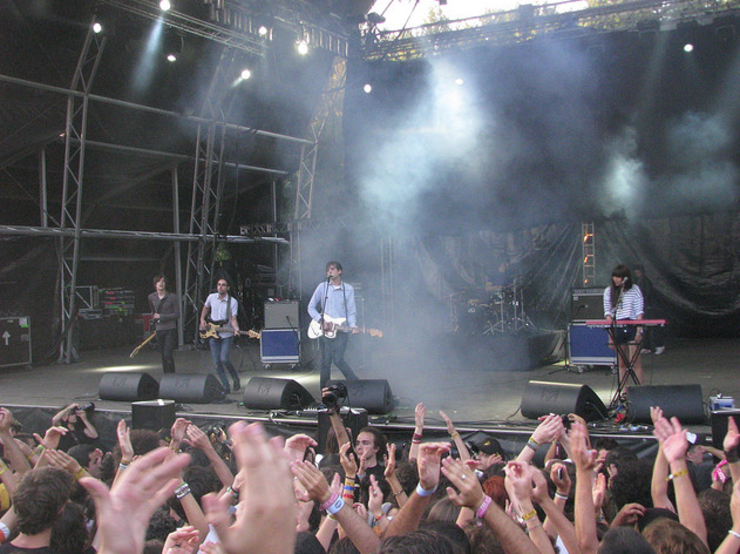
<point x="333" y="394"/>
<point x="87" y="408"/>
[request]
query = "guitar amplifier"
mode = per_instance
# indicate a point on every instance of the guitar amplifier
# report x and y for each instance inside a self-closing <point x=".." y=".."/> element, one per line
<point x="589" y="346"/>
<point x="282" y="314"/>
<point x="587" y="304"/>
<point x="279" y="346"/>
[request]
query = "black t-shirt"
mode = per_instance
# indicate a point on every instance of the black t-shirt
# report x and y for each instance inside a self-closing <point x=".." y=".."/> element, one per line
<point x="8" y="548"/>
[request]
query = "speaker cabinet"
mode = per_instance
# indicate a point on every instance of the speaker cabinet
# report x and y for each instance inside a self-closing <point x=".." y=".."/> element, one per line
<point x="281" y="314"/>
<point x="279" y="346"/>
<point x="354" y="419"/>
<point x="127" y="386"/>
<point x="191" y="388"/>
<point x="587" y="304"/>
<point x="681" y="401"/>
<point x="372" y="394"/>
<point x="267" y="393"/>
<point x="542" y="398"/>
<point x="153" y="414"/>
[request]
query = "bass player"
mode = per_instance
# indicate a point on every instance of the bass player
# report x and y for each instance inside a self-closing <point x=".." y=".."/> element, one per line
<point x="336" y="299"/>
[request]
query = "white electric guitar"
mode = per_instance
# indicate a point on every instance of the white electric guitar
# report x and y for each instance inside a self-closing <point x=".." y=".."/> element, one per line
<point x="333" y="325"/>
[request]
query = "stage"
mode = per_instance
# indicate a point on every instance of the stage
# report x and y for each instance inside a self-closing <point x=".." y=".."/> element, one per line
<point x="473" y="394"/>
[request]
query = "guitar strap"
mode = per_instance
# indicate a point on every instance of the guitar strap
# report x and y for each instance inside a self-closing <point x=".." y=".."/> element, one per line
<point x="158" y="309"/>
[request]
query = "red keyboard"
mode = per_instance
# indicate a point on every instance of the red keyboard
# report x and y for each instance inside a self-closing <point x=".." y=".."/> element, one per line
<point x="643" y="322"/>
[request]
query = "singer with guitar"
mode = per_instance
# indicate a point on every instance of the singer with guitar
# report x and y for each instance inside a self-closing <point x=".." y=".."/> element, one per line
<point x="222" y="308"/>
<point x="165" y="308"/>
<point x="623" y="301"/>
<point x="336" y="299"/>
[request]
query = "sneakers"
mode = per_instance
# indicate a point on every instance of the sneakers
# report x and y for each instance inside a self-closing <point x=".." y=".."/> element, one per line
<point x="659" y="350"/>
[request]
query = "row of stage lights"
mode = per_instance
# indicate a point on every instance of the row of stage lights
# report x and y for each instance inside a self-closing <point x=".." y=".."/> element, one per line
<point x="165" y="5"/>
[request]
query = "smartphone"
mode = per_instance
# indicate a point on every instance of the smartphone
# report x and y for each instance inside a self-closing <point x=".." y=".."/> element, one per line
<point x="560" y="473"/>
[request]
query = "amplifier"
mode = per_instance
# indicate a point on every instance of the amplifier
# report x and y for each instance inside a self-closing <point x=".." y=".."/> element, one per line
<point x="587" y="304"/>
<point x="281" y="314"/>
<point x="279" y="346"/>
<point x="15" y="341"/>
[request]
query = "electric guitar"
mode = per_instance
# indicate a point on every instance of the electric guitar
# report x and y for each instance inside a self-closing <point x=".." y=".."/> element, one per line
<point x="332" y="325"/>
<point x="214" y="329"/>
<point x="136" y="350"/>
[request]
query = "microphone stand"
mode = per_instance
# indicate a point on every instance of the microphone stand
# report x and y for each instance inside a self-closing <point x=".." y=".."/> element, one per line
<point x="297" y="333"/>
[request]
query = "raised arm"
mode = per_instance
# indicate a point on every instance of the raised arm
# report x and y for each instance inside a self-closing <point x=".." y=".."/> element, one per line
<point x="672" y="438"/>
<point x="547" y="431"/>
<point x="459" y="443"/>
<point x="519" y="486"/>
<point x="420" y="413"/>
<point x="731" y="446"/>
<point x="198" y="439"/>
<point x="731" y="544"/>
<point x="13" y="453"/>
<point x="585" y="460"/>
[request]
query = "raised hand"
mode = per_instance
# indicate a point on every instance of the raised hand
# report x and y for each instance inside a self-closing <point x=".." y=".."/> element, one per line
<point x="124" y="442"/>
<point x="469" y="491"/>
<point x="348" y="461"/>
<point x="672" y="438"/>
<point x="583" y="456"/>
<point x="51" y="437"/>
<point x="390" y="462"/>
<point x="62" y="460"/>
<point x="181" y="541"/>
<point x="549" y="429"/>
<point x="732" y="438"/>
<point x="450" y="426"/>
<point x="375" y="502"/>
<point x="420" y="413"/>
<point x="629" y="514"/>
<point x="123" y="512"/>
<point x="177" y="432"/>
<point x="561" y="478"/>
<point x="430" y="457"/>
<point x="265" y="520"/>
<point x="656" y="413"/>
<point x="296" y="446"/>
<point x="312" y="480"/>
<point x="197" y="438"/>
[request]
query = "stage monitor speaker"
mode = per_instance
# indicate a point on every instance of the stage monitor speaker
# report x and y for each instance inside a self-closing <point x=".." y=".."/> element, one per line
<point x="681" y="401"/>
<point x="153" y="415"/>
<point x="128" y="386"/>
<point x="542" y="398"/>
<point x="355" y="419"/>
<point x="372" y="394"/>
<point x="268" y="393"/>
<point x="191" y="388"/>
<point x="719" y="425"/>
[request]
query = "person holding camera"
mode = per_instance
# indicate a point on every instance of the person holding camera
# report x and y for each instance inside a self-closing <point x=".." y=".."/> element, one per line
<point x="334" y="300"/>
<point x="76" y="420"/>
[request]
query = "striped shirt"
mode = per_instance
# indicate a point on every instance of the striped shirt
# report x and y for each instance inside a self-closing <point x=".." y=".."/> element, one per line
<point x="631" y="305"/>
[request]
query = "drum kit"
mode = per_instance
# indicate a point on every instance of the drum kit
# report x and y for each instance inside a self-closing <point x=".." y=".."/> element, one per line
<point x="501" y="312"/>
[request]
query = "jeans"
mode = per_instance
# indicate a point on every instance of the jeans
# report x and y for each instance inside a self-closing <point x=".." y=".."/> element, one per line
<point x="332" y="350"/>
<point x="167" y="341"/>
<point x="220" y="353"/>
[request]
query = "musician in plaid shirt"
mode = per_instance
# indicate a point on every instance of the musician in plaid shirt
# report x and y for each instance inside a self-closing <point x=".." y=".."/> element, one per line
<point x="623" y="300"/>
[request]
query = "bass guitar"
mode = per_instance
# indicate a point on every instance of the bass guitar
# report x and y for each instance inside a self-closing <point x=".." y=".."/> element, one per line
<point x="333" y="325"/>
<point x="136" y="350"/>
<point x="214" y="329"/>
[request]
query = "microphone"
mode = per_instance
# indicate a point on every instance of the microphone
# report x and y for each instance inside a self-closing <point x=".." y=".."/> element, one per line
<point x="625" y="279"/>
<point x="328" y="279"/>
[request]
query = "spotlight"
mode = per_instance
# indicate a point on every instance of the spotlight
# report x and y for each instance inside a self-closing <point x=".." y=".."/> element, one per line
<point x="368" y="88"/>
<point x="165" y="5"/>
<point x="263" y="31"/>
<point x="97" y="28"/>
<point x="302" y="47"/>
<point x="459" y="81"/>
<point x="688" y="47"/>
<point x="246" y="74"/>
<point x="171" y="58"/>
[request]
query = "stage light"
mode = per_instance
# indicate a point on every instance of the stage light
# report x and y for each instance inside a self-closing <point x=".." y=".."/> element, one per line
<point x="368" y="88"/>
<point x="263" y="31"/>
<point x="459" y="82"/>
<point x="165" y="5"/>
<point x="97" y="28"/>
<point x="246" y="74"/>
<point x="171" y="57"/>
<point x="688" y="47"/>
<point x="302" y="47"/>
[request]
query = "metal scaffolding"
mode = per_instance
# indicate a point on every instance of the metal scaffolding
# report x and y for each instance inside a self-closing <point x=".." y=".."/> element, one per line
<point x="73" y="185"/>
<point x="589" y="254"/>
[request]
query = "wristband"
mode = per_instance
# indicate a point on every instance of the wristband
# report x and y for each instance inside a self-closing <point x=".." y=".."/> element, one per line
<point x="182" y="491"/>
<point x="399" y="492"/>
<point x="5" y="531"/>
<point x="328" y="503"/>
<point x="122" y="466"/>
<point x="421" y="491"/>
<point x="732" y="456"/>
<point x="349" y="488"/>
<point x="483" y="508"/>
<point x="79" y="473"/>
<point x="379" y="517"/>
<point x="561" y="496"/>
<point x="533" y="445"/>
<point x="349" y="482"/>
<point x="234" y="494"/>
<point x="730" y="532"/>
<point x="417" y="436"/>
<point x="677" y="474"/>
<point x="533" y="441"/>
<point x="4" y="469"/>
<point x="415" y="441"/>
<point x="454" y="435"/>
<point x="529" y="515"/>
<point x="337" y="505"/>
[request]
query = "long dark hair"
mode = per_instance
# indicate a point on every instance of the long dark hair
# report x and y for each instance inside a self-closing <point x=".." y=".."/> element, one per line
<point x="624" y="272"/>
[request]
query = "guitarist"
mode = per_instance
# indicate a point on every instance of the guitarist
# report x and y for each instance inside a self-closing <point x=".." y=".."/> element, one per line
<point x="222" y="307"/>
<point x="165" y="308"/>
<point x="336" y="299"/>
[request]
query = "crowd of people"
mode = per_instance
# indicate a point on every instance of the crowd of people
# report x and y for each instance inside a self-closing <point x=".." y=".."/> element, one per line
<point x="184" y="491"/>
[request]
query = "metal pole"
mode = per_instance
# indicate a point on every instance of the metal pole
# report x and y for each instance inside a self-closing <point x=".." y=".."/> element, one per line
<point x="178" y="254"/>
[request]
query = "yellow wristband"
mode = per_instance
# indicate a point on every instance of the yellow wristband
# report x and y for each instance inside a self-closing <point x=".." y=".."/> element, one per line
<point x="455" y="435"/>
<point x="80" y="473"/>
<point x="4" y="469"/>
<point x="529" y="515"/>
<point x="677" y="474"/>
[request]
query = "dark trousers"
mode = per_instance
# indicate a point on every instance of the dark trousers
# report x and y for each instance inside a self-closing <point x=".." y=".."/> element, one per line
<point x="167" y="341"/>
<point x="332" y="350"/>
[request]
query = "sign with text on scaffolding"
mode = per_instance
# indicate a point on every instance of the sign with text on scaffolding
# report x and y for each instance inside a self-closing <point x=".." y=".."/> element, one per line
<point x="15" y="341"/>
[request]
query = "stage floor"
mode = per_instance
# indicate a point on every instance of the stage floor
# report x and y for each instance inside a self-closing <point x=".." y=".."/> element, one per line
<point x="474" y="397"/>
